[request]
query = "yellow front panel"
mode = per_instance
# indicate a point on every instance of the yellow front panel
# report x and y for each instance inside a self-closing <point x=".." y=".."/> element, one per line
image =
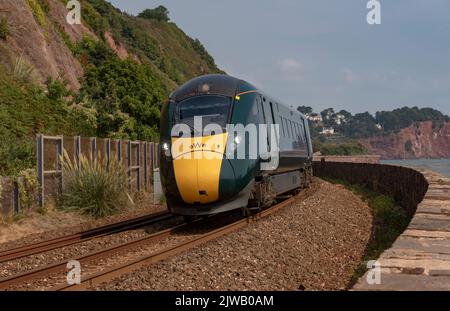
<point x="197" y="163"/>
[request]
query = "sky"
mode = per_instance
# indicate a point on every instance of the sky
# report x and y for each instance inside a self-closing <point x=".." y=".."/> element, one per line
<point x="323" y="53"/>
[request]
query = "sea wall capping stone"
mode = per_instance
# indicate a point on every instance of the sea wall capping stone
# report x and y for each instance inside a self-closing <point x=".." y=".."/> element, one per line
<point x="373" y="159"/>
<point x="420" y="257"/>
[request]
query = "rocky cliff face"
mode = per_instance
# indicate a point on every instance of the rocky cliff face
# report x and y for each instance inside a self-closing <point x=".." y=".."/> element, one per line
<point x="40" y="38"/>
<point x="421" y="140"/>
<point x="35" y="39"/>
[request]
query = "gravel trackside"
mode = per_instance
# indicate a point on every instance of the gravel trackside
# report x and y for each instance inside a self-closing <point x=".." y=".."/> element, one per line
<point x="314" y="244"/>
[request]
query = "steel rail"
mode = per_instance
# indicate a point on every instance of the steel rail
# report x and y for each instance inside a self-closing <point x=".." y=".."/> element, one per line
<point x="28" y="250"/>
<point x="114" y="272"/>
<point x="27" y="276"/>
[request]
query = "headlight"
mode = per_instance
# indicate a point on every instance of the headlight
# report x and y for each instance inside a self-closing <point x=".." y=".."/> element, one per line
<point x="166" y="149"/>
<point x="238" y="140"/>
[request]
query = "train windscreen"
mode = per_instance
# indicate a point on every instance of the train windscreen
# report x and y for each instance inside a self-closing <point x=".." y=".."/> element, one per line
<point x="212" y="109"/>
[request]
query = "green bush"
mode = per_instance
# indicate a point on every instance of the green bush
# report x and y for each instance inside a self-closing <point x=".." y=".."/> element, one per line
<point x="127" y="95"/>
<point x="95" y="188"/>
<point x="15" y="154"/>
<point x="4" y="28"/>
<point x="345" y="149"/>
<point x="161" y="14"/>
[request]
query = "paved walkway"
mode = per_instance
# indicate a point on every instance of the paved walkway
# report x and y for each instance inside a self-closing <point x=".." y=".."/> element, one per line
<point x="420" y="258"/>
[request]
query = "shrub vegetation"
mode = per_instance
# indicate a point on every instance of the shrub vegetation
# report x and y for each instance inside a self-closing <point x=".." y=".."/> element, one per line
<point x="97" y="188"/>
<point x="161" y="14"/>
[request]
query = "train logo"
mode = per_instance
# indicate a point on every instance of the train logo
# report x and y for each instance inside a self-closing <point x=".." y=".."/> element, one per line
<point x="198" y="146"/>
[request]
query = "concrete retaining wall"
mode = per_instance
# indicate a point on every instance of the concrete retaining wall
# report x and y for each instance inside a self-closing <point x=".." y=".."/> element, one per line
<point x="406" y="185"/>
<point x="420" y="257"/>
<point x="9" y="198"/>
<point x="374" y="159"/>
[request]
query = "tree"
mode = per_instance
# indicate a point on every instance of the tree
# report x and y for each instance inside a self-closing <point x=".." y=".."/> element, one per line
<point x="328" y="116"/>
<point x="346" y="114"/>
<point x="405" y="117"/>
<point x="160" y="14"/>
<point x="361" y="125"/>
<point x="305" y="109"/>
<point x="4" y="28"/>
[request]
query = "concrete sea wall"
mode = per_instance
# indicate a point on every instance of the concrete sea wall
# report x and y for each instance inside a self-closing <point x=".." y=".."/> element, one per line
<point x="420" y="257"/>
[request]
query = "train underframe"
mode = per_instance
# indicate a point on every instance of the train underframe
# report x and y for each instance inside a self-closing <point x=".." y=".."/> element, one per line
<point x="262" y="192"/>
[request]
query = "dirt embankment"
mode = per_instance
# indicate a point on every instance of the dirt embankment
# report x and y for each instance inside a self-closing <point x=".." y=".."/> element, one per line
<point x="421" y="140"/>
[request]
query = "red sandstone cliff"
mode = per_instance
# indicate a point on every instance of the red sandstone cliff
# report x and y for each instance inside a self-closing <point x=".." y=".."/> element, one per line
<point x="41" y="45"/>
<point x="421" y="140"/>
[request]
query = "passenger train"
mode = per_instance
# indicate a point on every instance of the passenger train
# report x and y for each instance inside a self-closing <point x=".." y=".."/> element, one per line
<point x="204" y="177"/>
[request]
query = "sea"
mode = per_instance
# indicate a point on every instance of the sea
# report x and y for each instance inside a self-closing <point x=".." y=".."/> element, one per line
<point x="441" y="166"/>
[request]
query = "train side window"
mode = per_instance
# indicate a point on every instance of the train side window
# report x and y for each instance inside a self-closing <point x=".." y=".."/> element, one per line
<point x="292" y="129"/>
<point x="303" y="132"/>
<point x="256" y="115"/>
<point x="287" y="129"/>
<point x="282" y="126"/>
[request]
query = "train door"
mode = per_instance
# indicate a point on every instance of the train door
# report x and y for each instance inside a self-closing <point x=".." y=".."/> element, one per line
<point x="269" y="117"/>
<point x="307" y="136"/>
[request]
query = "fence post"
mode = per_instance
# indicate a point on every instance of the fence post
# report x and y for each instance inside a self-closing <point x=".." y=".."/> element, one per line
<point x="40" y="167"/>
<point x="16" y="198"/>
<point x="139" y="166"/>
<point x="93" y="148"/>
<point x="59" y="165"/>
<point x="156" y="156"/>
<point x="108" y="150"/>
<point x="77" y="149"/>
<point x="146" y="166"/>
<point x="119" y="150"/>
<point x="129" y="163"/>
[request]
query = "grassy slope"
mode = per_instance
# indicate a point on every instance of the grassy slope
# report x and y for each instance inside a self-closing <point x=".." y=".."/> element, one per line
<point x="25" y="110"/>
<point x="162" y="44"/>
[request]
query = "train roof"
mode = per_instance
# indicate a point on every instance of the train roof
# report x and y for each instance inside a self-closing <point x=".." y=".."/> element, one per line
<point x="216" y="84"/>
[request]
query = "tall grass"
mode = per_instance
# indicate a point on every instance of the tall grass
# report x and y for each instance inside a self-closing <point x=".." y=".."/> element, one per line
<point x="24" y="71"/>
<point x="97" y="188"/>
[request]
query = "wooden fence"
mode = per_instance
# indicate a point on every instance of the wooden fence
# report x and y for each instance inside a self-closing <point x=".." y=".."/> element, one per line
<point x="139" y="157"/>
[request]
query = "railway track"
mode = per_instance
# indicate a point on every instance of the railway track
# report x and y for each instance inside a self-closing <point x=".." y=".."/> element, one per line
<point x="168" y="252"/>
<point x="28" y="250"/>
<point x="58" y="271"/>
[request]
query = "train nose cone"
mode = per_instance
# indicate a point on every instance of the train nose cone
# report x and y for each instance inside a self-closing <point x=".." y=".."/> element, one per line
<point x="198" y="167"/>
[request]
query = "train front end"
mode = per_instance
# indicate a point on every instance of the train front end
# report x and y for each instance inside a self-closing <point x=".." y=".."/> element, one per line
<point x="197" y="176"/>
